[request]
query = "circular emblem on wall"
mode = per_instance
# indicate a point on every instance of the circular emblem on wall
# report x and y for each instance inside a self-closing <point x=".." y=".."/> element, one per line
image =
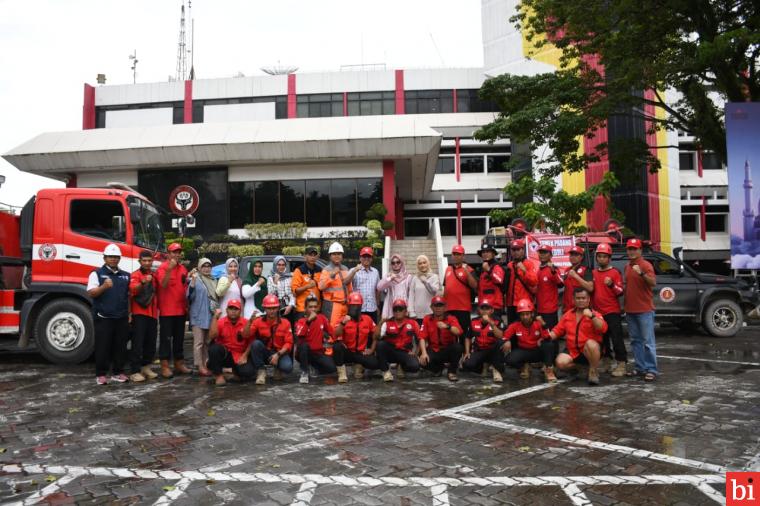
<point x="47" y="252"/>
<point x="667" y="294"/>
<point x="184" y="200"/>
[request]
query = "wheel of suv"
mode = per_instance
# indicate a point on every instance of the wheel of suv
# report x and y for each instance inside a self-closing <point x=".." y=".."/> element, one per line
<point x="722" y="318"/>
<point x="64" y="331"/>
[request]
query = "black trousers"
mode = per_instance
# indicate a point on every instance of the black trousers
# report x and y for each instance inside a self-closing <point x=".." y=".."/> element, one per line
<point x="387" y="353"/>
<point x="343" y="356"/>
<point x="323" y="363"/>
<point x="546" y="353"/>
<point x="451" y="354"/>
<point x="172" y="337"/>
<point x="111" y="335"/>
<point x="551" y="319"/>
<point x="493" y="356"/>
<point x="144" y="330"/>
<point x="219" y="357"/>
<point x="464" y="319"/>
<point x="613" y="338"/>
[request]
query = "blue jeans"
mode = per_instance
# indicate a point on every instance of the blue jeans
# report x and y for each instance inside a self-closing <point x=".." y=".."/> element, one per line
<point x="260" y="356"/>
<point x="641" y="329"/>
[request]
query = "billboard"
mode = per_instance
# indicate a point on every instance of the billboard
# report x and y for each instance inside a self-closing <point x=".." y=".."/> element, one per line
<point x="560" y="245"/>
<point x="743" y="145"/>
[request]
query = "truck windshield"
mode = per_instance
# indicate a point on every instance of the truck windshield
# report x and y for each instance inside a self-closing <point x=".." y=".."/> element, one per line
<point x="148" y="231"/>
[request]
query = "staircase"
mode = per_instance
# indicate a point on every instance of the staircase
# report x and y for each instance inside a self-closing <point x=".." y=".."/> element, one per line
<point x="410" y="249"/>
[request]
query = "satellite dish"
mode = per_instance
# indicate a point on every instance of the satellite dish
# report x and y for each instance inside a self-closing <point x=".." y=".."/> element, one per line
<point x="279" y="70"/>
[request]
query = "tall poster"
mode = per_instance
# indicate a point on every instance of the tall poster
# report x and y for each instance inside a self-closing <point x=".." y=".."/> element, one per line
<point x="743" y="145"/>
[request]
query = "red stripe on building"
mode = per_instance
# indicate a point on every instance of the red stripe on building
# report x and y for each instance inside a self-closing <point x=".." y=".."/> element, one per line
<point x="399" y="92"/>
<point x="188" y="105"/>
<point x="703" y="219"/>
<point x="700" y="162"/>
<point x="454" y="98"/>
<point x="457" y="158"/>
<point x="389" y="193"/>
<point x="653" y="185"/>
<point x="459" y="222"/>
<point x="292" y="96"/>
<point x="345" y="104"/>
<point x="88" y="108"/>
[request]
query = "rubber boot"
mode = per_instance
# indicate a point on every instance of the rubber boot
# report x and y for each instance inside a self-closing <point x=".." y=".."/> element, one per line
<point x="342" y="378"/>
<point x="166" y="371"/>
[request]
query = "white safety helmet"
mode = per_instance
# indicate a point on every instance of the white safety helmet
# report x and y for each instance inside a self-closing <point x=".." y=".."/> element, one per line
<point x="335" y="247"/>
<point x="112" y="250"/>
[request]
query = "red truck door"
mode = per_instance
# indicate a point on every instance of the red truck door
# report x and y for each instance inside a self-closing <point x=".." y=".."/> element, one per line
<point x="47" y="250"/>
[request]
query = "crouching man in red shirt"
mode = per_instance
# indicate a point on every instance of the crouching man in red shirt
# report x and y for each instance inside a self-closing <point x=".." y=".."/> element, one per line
<point x="398" y="335"/>
<point x="583" y="330"/>
<point x="353" y="340"/>
<point x="440" y="335"/>
<point x="312" y="330"/>
<point x="484" y="345"/>
<point x="528" y="341"/>
<point x="274" y="341"/>
<point x="230" y="344"/>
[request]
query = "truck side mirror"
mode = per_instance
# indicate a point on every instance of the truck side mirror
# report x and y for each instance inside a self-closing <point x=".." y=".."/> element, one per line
<point x="119" y="225"/>
<point x="135" y="212"/>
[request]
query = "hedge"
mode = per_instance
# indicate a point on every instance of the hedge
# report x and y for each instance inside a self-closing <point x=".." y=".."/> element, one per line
<point x="245" y="250"/>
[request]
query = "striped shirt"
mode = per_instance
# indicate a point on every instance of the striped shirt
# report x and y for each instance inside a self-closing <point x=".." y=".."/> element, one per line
<point x="365" y="282"/>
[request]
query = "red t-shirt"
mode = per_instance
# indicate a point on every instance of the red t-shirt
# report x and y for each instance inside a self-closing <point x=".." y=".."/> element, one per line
<point x="275" y="335"/>
<point x="436" y="338"/>
<point x="491" y="284"/>
<point x="134" y="282"/>
<point x="522" y="284"/>
<point x="313" y="333"/>
<point x="231" y="336"/>
<point x="527" y="337"/>
<point x="547" y="294"/>
<point x="481" y="334"/>
<point x="605" y="298"/>
<point x="457" y="292"/>
<point x="568" y="298"/>
<point x="356" y="334"/>
<point x="172" y="300"/>
<point x="578" y="332"/>
<point x="401" y="334"/>
<point x="638" y="293"/>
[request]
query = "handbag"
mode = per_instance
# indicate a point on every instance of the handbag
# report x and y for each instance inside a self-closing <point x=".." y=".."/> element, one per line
<point x="144" y="297"/>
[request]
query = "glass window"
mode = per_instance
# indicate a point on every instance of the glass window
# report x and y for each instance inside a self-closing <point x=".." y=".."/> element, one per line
<point x="473" y="226"/>
<point x="498" y="163"/>
<point x="178" y="115"/>
<point x="417" y="227"/>
<point x="337" y="108"/>
<point x="445" y="166"/>
<point x="146" y="229"/>
<point x="318" y="203"/>
<point x="448" y="227"/>
<point x="302" y="110"/>
<point x="291" y="201"/>
<point x="711" y="161"/>
<point x="689" y="223"/>
<point x="266" y="197"/>
<point x="686" y="161"/>
<point x="715" y="223"/>
<point x="281" y="107"/>
<point x="241" y="204"/>
<point x="471" y="164"/>
<point x="103" y="219"/>
<point x="343" y="193"/>
<point x="369" y="191"/>
<point x="665" y="266"/>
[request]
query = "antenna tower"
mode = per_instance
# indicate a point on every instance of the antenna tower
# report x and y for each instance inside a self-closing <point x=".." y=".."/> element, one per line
<point x="181" y="72"/>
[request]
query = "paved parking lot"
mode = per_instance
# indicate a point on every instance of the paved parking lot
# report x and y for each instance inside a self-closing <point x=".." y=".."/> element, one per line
<point x="420" y="440"/>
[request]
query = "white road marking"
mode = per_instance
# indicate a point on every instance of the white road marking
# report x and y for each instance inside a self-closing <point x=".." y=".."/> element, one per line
<point x="671" y="357"/>
<point x="440" y="495"/>
<point x="712" y="493"/>
<point x="194" y="405"/>
<point x="305" y="494"/>
<point x="50" y="489"/>
<point x="172" y="495"/>
<point x="576" y="495"/>
<point x="557" y="436"/>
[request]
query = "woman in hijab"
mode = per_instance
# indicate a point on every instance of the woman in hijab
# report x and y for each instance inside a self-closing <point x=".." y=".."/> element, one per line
<point x="230" y="285"/>
<point x="278" y="283"/>
<point x="424" y="286"/>
<point x="395" y="285"/>
<point x="254" y="290"/>
<point x="203" y="301"/>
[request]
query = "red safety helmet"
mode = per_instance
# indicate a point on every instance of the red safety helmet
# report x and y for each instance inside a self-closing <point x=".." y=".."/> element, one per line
<point x="524" y="305"/>
<point x="355" y="299"/>
<point x="458" y="248"/>
<point x="234" y="303"/>
<point x="175" y="246"/>
<point x="633" y="243"/>
<point x="366" y="250"/>
<point x="437" y="300"/>
<point x="576" y="249"/>
<point x="518" y="243"/>
<point x="604" y="248"/>
<point x="399" y="303"/>
<point x="485" y="302"/>
<point x="270" y="301"/>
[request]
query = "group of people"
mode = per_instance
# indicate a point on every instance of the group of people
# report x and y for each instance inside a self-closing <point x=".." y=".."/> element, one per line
<point x="331" y="317"/>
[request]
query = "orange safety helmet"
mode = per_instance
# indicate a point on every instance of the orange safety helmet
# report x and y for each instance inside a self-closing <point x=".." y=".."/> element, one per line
<point x="355" y="299"/>
<point x="524" y="305"/>
<point x="270" y="301"/>
<point x="604" y="248"/>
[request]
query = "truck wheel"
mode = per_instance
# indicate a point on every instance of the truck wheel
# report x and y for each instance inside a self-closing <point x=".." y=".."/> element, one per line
<point x="64" y="331"/>
<point x="722" y="318"/>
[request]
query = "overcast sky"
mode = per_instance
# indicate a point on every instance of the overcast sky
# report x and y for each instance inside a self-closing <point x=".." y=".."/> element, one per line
<point x="51" y="47"/>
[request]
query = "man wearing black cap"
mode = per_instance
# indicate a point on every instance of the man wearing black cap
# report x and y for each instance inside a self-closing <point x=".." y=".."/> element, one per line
<point x="491" y="277"/>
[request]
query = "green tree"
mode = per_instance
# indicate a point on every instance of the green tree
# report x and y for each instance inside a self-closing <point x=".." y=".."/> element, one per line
<point x="611" y="52"/>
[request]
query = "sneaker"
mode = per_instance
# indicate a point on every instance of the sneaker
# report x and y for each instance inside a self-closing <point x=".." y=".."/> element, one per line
<point x="605" y="365"/>
<point x="619" y="370"/>
<point x="313" y="372"/>
<point x="593" y="376"/>
<point x="101" y="380"/>
<point x="148" y="372"/>
<point x="387" y="376"/>
<point x="304" y="378"/>
<point x="261" y="376"/>
<point x="525" y="371"/>
<point x="136" y="378"/>
<point x="358" y="371"/>
<point x="120" y="378"/>
<point x="453" y="376"/>
<point x="549" y="375"/>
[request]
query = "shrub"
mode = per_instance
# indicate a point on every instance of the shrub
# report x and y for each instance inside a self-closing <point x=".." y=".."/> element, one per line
<point x="215" y="247"/>
<point x="273" y="246"/>
<point x="387" y="225"/>
<point x="276" y="230"/>
<point x="296" y="250"/>
<point x="245" y="250"/>
<point x="223" y="238"/>
<point x="377" y="246"/>
<point x="374" y="225"/>
<point x="377" y="212"/>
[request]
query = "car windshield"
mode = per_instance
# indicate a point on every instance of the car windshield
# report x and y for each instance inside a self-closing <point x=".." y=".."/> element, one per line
<point x="148" y="232"/>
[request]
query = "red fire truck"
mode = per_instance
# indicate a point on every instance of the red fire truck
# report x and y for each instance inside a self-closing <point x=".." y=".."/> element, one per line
<point x="47" y="253"/>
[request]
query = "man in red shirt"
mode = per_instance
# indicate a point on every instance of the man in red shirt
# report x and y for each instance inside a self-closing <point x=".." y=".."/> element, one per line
<point x="439" y="340"/>
<point x="274" y="341"/>
<point x="398" y="335"/>
<point x="577" y="276"/>
<point x="353" y="343"/>
<point x="491" y="280"/>
<point x="522" y="273"/>
<point x="144" y="308"/>
<point x="484" y="344"/>
<point x="640" y="279"/>
<point x="172" y="309"/>
<point x="230" y="344"/>
<point x="583" y="330"/>
<point x="458" y="283"/>
<point x="528" y="341"/>
<point x="549" y="282"/>
<point x="312" y="331"/>
<point x="608" y="287"/>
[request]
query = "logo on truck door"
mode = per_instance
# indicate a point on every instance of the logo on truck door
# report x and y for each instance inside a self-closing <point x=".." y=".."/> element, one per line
<point x="184" y="200"/>
<point x="667" y="294"/>
<point x="47" y="252"/>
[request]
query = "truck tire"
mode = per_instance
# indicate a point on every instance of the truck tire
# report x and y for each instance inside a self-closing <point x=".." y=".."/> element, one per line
<point x="64" y="331"/>
<point x="722" y="318"/>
